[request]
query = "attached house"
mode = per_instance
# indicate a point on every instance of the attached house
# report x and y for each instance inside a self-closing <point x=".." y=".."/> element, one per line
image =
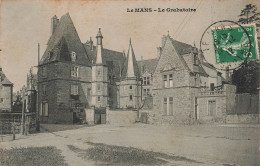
<point x="180" y="78"/>
<point x="6" y="95"/>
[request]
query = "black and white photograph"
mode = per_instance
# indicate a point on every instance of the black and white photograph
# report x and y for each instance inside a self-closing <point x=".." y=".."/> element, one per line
<point x="129" y="83"/>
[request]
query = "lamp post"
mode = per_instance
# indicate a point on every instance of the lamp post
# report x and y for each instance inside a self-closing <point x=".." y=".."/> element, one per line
<point x="22" y="123"/>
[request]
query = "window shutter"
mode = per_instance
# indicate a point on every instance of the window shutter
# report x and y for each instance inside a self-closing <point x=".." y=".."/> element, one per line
<point x="46" y="109"/>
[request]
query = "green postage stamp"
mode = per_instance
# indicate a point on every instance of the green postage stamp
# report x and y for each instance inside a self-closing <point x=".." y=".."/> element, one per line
<point x="233" y="44"/>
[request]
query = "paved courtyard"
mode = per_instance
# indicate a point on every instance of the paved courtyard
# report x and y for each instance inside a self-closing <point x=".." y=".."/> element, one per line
<point x="141" y="144"/>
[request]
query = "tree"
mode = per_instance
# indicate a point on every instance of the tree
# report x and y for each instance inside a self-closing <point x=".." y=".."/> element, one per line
<point x="249" y="14"/>
<point x="246" y="78"/>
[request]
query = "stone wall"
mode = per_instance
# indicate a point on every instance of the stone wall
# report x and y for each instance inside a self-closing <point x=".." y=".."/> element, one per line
<point x="6" y="96"/>
<point x="120" y="117"/>
<point x="223" y="103"/>
<point x="125" y="93"/>
<point x="244" y="118"/>
<point x="90" y="113"/>
<point x="58" y="83"/>
<point x="183" y="106"/>
<point x="99" y="80"/>
<point x="203" y="114"/>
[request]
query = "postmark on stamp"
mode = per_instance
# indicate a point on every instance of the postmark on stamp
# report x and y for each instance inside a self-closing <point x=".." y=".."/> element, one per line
<point x="235" y="43"/>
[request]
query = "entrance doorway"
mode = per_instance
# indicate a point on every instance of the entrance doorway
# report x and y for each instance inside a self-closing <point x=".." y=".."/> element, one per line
<point x="100" y="116"/>
<point x="212" y="108"/>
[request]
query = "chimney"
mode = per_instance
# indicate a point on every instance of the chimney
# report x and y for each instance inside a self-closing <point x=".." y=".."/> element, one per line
<point x="164" y="38"/>
<point x="159" y="52"/>
<point x="91" y="43"/>
<point x="201" y="56"/>
<point x="227" y="74"/>
<point x="141" y="66"/>
<point x="54" y="24"/>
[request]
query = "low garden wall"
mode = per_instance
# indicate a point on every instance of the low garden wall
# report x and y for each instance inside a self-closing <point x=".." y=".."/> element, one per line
<point x="120" y="116"/>
<point x="243" y="118"/>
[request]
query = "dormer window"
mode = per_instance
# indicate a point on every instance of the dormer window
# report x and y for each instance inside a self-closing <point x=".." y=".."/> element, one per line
<point x="49" y="55"/>
<point x="73" y="56"/>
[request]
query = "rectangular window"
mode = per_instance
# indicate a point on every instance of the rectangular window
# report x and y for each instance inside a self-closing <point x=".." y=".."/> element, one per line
<point x="44" y="89"/>
<point x="131" y="97"/>
<point x="170" y="105"/>
<point x="75" y="71"/>
<point x="148" y="81"/>
<point x="145" y="81"/>
<point x="130" y="87"/>
<point x="145" y="92"/>
<point x="44" y="110"/>
<point x="74" y="89"/>
<point x="44" y="71"/>
<point x="165" y="106"/>
<point x="170" y="81"/>
<point x="88" y="93"/>
<point x="98" y="87"/>
<point x="98" y="98"/>
<point x="148" y="92"/>
<point x="165" y="81"/>
<point x="110" y="79"/>
<point x="212" y="86"/>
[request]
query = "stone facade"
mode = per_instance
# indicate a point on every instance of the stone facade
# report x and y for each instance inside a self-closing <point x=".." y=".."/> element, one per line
<point x="74" y="77"/>
<point x="6" y="95"/>
<point x="179" y="78"/>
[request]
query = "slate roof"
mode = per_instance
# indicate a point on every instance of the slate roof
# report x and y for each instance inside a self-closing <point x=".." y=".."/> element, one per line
<point x="209" y="65"/>
<point x="4" y="80"/>
<point x="65" y="40"/>
<point x="113" y="59"/>
<point x="148" y="65"/>
<point x="181" y="48"/>
<point x="135" y="66"/>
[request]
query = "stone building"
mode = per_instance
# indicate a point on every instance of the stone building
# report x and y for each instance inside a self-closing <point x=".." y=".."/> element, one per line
<point x="75" y="76"/>
<point x="6" y="95"/>
<point x="180" y="78"/>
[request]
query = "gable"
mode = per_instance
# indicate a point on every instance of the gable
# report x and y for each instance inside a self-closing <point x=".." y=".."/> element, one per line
<point x="169" y="56"/>
<point x="65" y="37"/>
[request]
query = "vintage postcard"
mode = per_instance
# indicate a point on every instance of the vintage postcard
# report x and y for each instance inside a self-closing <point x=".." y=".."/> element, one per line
<point x="129" y="83"/>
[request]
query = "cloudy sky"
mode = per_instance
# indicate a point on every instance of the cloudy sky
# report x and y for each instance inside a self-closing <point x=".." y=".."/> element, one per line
<point x="24" y="23"/>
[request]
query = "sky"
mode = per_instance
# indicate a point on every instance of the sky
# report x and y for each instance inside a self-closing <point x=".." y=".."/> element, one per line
<point x="25" y="23"/>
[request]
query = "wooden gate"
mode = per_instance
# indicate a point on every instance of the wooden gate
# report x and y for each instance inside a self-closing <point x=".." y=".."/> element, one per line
<point x="100" y="115"/>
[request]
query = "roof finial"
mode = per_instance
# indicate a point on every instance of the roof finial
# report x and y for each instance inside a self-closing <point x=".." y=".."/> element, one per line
<point x="130" y="40"/>
<point x="168" y="33"/>
<point x="194" y="44"/>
